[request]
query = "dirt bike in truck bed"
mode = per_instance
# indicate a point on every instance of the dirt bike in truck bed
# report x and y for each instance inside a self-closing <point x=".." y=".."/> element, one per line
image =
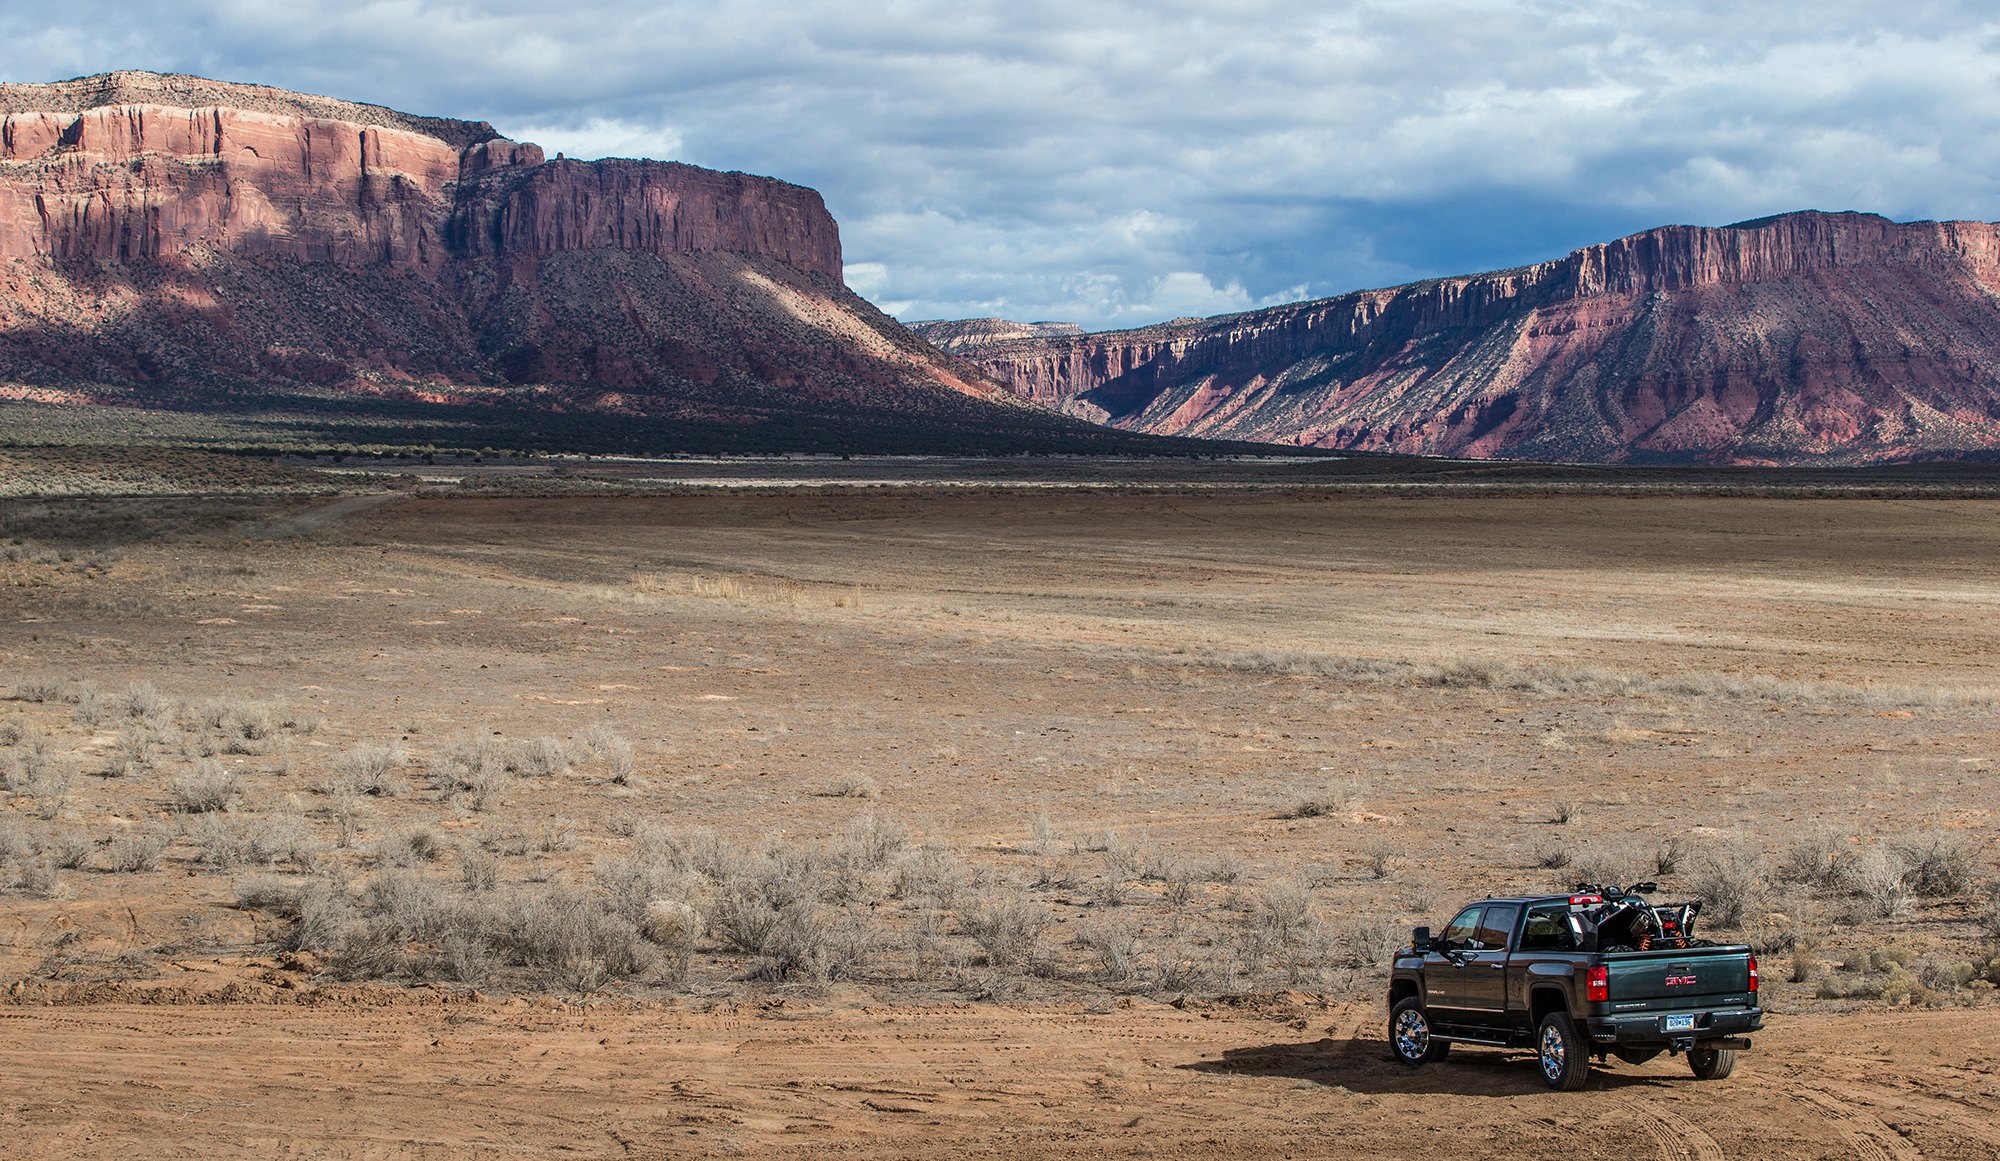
<point x="1600" y="972"/>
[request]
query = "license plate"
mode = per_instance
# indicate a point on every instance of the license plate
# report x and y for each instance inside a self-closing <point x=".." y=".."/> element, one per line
<point x="1679" y="1023"/>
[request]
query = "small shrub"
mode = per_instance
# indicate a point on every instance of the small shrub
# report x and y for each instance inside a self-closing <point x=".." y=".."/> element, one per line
<point x="1226" y="867"/>
<point x="209" y="786"/>
<point x="1112" y="946"/>
<point x="1564" y="811"/>
<point x="1372" y="940"/>
<point x="1936" y="865"/>
<point x="418" y="907"/>
<point x="1552" y="857"/>
<point x="556" y="834"/>
<point x="224" y="842"/>
<point x="92" y="707"/>
<point x="1669" y="854"/>
<point x="71" y="850"/>
<point x="419" y="844"/>
<point x="815" y="943"/>
<point x="41" y="689"/>
<point x="1730" y="881"/>
<point x="320" y="916"/>
<point x="14" y="842"/>
<point x="1282" y="911"/>
<point x="868" y="844"/>
<point x="744" y="919"/>
<point x="1009" y="929"/>
<point x="1339" y="797"/>
<point x="143" y="700"/>
<point x="1042" y="836"/>
<point x="930" y="872"/>
<point x="619" y="758"/>
<point x="42" y="877"/>
<point x="1823" y="860"/>
<point x="367" y="769"/>
<point x="134" y="749"/>
<point x="132" y="853"/>
<point x="570" y="938"/>
<point x="1879" y="878"/>
<point x="49" y="784"/>
<point x="672" y="924"/>
<point x="543" y="757"/>
<point x="478" y="873"/>
<point x="1383" y="860"/>
<point x="850" y="785"/>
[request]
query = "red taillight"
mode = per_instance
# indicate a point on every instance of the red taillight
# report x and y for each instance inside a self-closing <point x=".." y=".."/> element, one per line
<point x="1580" y="900"/>
<point x="1597" y="985"/>
<point x="1753" y="972"/>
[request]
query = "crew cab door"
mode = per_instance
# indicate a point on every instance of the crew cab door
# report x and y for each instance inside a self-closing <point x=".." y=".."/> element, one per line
<point x="1483" y="986"/>
<point x="1444" y="978"/>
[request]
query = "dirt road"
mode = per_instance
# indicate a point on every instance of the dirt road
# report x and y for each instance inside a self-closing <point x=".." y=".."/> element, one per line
<point x="1279" y="1077"/>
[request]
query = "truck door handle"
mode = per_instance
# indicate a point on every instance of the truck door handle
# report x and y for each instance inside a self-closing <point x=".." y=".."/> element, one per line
<point x="1499" y="966"/>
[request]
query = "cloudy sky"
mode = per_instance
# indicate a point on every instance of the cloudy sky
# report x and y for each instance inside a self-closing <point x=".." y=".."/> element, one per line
<point x="1116" y="164"/>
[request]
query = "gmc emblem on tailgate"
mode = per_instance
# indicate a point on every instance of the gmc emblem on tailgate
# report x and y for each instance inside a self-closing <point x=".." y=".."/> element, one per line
<point x="1676" y="981"/>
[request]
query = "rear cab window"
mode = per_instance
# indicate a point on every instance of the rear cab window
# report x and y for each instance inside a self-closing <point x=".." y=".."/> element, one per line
<point x="1550" y="928"/>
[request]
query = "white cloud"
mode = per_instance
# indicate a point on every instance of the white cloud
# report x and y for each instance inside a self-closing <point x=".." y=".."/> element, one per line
<point x="1103" y="159"/>
<point x="597" y="137"/>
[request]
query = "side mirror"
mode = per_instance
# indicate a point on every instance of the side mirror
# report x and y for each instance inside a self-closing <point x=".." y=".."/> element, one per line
<point x="1420" y="940"/>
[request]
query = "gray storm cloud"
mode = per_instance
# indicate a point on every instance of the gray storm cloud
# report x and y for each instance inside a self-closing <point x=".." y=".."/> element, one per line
<point x="1114" y="163"/>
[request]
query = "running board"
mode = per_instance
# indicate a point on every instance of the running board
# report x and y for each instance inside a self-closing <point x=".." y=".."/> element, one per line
<point x="1483" y="1041"/>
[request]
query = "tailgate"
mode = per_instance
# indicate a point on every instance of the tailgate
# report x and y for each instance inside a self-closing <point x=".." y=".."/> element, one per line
<point x="1695" y="977"/>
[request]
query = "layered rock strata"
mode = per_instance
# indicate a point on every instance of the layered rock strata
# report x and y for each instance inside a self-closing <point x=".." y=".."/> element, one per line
<point x="1803" y="337"/>
<point x="173" y="240"/>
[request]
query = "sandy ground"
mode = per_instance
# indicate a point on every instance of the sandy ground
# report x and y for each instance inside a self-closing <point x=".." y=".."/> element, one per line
<point x="781" y="1079"/>
<point x="1172" y="669"/>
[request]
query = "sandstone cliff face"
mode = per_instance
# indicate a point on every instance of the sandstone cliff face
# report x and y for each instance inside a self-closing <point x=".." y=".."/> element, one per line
<point x="175" y="241"/>
<point x="1805" y="337"/>
<point x="649" y="206"/>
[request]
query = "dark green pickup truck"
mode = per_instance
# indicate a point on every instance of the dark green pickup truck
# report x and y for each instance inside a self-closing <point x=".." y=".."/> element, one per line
<point x="1596" y="973"/>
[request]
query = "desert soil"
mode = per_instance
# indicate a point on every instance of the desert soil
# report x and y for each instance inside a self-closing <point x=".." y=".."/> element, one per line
<point x="1179" y="671"/>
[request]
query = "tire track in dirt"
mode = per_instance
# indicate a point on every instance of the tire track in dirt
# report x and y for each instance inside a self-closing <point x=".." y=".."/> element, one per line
<point x="1870" y="1139"/>
<point x="1677" y="1136"/>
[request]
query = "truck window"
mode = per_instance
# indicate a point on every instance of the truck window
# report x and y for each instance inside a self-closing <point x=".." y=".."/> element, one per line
<point x="1496" y="928"/>
<point x="1463" y="930"/>
<point x="1549" y="929"/>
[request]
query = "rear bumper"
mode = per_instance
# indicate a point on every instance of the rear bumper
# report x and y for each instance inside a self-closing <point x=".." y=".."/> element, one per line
<point x="1650" y="1028"/>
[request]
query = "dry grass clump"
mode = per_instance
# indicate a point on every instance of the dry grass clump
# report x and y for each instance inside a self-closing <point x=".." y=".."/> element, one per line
<point x="851" y="785"/>
<point x="1731" y="880"/>
<point x="1009" y="928"/>
<point x="1342" y="796"/>
<point x="208" y="786"/>
<point x="1936" y="864"/>
<point x="133" y="853"/>
<point x="369" y="769"/>
<point x="478" y="768"/>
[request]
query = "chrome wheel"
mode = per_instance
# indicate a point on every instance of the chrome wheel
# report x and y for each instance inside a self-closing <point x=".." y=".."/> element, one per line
<point x="1413" y="1035"/>
<point x="1554" y="1055"/>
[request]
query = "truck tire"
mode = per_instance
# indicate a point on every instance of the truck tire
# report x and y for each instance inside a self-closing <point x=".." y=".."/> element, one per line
<point x="1564" y="1060"/>
<point x="1711" y="1063"/>
<point x="1410" y="1034"/>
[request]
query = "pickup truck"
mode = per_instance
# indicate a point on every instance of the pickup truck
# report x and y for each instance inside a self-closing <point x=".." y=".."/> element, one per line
<point x="1596" y="973"/>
